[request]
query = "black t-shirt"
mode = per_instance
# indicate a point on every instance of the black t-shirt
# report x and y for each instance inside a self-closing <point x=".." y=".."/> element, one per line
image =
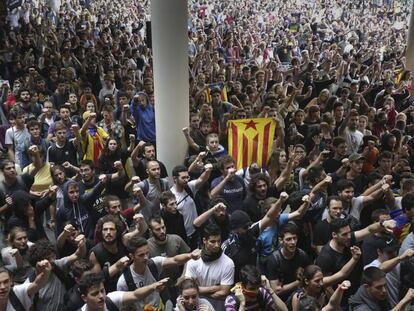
<point x="330" y="261"/>
<point x="322" y="232"/>
<point x="285" y="270"/>
<point x="174" y="224"/>
<point x="23" y="182"/>
<point x="360" y="183"/>
<point x="331" y="165"/>
<point x="283" y="52"/>
<point x="67" y="153"/>
<point x="369" y="249"/>
<point x="241" y="249"/>
<point x="251" y="204"/>
<point x="141" y="169"/>
<point x="107" y="259"/>
<point x="106" y="166"/>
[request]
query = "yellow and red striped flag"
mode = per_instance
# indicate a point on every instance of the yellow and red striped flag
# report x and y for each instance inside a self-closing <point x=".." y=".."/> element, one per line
<point x="251" y="140"/>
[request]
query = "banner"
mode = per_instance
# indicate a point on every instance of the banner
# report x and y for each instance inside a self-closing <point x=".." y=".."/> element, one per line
<point x="251" y="140"/>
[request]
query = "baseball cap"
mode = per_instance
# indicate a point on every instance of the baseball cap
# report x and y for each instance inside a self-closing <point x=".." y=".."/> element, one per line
<point x="86" y="114"/>
<point x="387" y="243"/>
<point x="239" y="219"/>
<point x="356" y="157"/>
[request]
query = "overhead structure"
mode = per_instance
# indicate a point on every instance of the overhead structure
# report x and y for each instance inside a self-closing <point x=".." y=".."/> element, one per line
<point x="171" y="86"/>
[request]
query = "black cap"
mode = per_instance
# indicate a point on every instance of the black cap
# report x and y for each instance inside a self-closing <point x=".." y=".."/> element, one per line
<point x="386" y="243"/>
<point x="239" y="219"/>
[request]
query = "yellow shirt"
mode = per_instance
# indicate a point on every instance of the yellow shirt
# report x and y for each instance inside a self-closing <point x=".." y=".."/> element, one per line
<point x="92" y="146"/>
<point x="42" y="179"/>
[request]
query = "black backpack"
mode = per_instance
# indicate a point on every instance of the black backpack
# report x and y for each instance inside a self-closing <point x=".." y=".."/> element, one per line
<point x="164" y="186"/>
<point x="15" y="301"/>
<point x="165" y="296"/>
<point x="130" y="281"/>
<point x="110" y="304"/>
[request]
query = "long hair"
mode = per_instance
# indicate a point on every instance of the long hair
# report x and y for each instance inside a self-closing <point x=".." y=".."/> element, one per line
<point x="109" y="154"/>
<point x="273" y="165"/>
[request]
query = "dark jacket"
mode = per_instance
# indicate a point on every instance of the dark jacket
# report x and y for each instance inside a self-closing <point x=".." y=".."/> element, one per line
<point x="362" y="301"/>
<point x="21" y="199"/>
<point x="81" y="212"/>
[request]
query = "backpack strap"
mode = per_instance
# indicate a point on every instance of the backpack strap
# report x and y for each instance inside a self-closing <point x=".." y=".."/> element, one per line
<point x="99" y="254"/>
<point x="15" y="301"/>
<point x="32" y="277"/>
<point x="164" y="185"/>
<point x="145" y="189"/>
<point x="110" y="305"/>
<point x="153" y="269"/>
<point x="129" y="280"/>
<point x="189" y="192"/>
<point x="62" y="276"/>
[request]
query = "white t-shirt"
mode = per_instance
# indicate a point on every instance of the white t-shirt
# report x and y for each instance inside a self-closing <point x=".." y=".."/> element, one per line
<point x="186" y="206"/>
<point x="353" y="140"/>
<point x="357" y="204"/>
<point x="22" y="295"/>
<point x="116" y="298"/>
<point x="398" y="203"/>
<point x="17" y="138"/>
<point x="141" y="281"/>
<point x="220" y="271"/>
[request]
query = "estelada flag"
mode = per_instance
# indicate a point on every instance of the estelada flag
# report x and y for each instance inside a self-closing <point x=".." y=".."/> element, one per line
<point x="219" y="85"/>
<point x="251" y="140"/>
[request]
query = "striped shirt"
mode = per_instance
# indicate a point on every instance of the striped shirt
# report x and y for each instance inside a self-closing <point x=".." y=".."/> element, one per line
<point x="263" y="302"/>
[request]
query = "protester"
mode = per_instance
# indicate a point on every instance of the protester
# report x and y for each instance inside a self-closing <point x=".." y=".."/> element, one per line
<point x="78" y="111"/>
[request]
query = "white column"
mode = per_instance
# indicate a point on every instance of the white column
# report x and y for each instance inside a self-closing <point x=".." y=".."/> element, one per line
<point x="171" y="86"/>
<point x="410" y="43"/>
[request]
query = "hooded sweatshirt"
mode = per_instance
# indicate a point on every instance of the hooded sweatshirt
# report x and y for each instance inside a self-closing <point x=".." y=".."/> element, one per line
<point x="80" y="212"/>
<point x="362" y="301"/>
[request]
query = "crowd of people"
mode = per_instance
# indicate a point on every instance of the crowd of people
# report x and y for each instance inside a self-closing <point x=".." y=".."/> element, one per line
<point x="93" y="220"/>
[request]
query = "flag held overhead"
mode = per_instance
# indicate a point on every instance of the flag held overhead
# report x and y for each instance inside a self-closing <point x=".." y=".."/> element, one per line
<point x="250" y="140"/>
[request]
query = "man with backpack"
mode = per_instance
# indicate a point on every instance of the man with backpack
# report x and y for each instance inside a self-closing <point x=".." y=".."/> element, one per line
<point x="110" y="250"/>
<point x="185" y="191"/>
<point x="148" y="191"/>
<point x="94" y="295"/>
<point x="145" y="271"/>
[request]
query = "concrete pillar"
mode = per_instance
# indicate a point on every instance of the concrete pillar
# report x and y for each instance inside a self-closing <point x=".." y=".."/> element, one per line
<point x="171" y="86"/>
<point x="410" y="43"/>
